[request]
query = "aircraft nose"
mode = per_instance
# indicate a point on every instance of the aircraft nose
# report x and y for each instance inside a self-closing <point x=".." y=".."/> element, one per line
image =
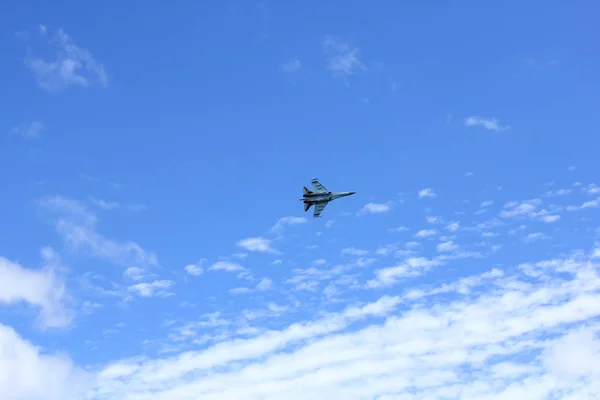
<point x="351" y="192"/>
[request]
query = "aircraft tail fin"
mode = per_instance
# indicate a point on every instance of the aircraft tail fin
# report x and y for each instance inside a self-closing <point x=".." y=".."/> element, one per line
<point x="307" y="206"/>
<point x="306" y="190"/>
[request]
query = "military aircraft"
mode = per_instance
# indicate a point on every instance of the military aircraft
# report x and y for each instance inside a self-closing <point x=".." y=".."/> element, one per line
<point x="319" y="197"/>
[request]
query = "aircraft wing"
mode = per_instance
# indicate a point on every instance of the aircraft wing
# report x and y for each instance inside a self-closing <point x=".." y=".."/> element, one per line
<point x="318" y="187"/>
<point x="319" y="207"/>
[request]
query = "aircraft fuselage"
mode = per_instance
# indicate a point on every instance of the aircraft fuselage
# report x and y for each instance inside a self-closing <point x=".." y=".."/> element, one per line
<point x="328" y="196"/>
<point x="319" y="197"/>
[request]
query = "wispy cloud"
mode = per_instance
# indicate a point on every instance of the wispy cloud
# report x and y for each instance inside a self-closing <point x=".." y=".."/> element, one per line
<point x="375" y="208"/>
<point x="352" y="251"/>
<point x="291" y="65"/>
<point x="529" y="209"/>
<point x="114" y="205"/>
<point x="134" y="273"/>
<point x="522" y="330"/>
<point x="73" y="66"/>
<point x="257" y="244"/>
<point x="105" y="205"/>
<point x="411" y="267"/>
<point x="453" y="226"/>
<point x="446" y="246"/>
<point x="262" y="286"/>
<point x="559" y="192"/>
<point x="427" y="192"/>
<point x="341" y="59"/>
<point x="423" y="233"/>
<point x="75" y="223"/>
<point x="285" y="221"/>
<point x="586" y="204"/>
<point x="28" y="130"/>
<point x="534" y="237"/>
<point x="226" y="266"/>
<point x="151" y="289"/>
<point x="592" y="189"/>
<point x="490" y="124"/>
<point x="550" y="218"/>
<point x="193" y="269"/>
<point x="399" y="229"/>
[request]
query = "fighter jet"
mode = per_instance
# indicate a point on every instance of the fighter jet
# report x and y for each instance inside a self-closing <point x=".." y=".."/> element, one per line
<point x="319" y="197"/>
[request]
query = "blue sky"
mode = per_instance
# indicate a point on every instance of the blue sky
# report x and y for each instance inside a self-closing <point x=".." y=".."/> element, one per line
<point x="154" y="246"/>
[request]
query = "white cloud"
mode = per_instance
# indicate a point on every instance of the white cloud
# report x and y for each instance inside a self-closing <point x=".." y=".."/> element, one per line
<point x="574" y="355"/>
<point x="592" y="189"/>
<point x="193" y="269"/>
<point x="399" y="229"/>
<point x="154" y="288"/>
<point x="113" y="205"/>
<point x="41" y="288"/>
<point x="240" y="290"/>
<point x="283" y="222"/>
<point x="413" y="266"/>
<point x="291" y="65"/>
<point x="532" y="336"/>
<point x="386" y="250"/>
<point x="427" y="192"/>
<point x="341" y="59"/>
<point x="258" y="244"/>
<point x="105" y="205"/>
<point x="27" y="372"/>
<point x="83" y="238"/>
<point x="453" y="226"/>
<point x="70" y="208"/>
<point x="72" y="66"/>
<point x="423" y="233"/>
<point x="559" y="192"/>
<point x="529" y="209"/>
<point x="264" y="284"/>
<point x="446" y="246"/>
<point x="490" y="124"/>
<point x="28" y="130"/>
<point x="76" y="225"/>
<point x="506" y="331"/>
<point x="134" y="273"/>
<point x="352" y="251"/>
<point x="226" y="266"/>
<point x="534" y="237"/>
<point x="376" y="208"/>
<point x="523" y="209"/>
<point x="587" y="204"/>
<point x="550" y="218"/>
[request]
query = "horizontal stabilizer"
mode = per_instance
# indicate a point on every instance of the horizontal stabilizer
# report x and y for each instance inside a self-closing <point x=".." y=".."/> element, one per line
<point x="307" y="206"/>
<point x="306" y="190"/>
